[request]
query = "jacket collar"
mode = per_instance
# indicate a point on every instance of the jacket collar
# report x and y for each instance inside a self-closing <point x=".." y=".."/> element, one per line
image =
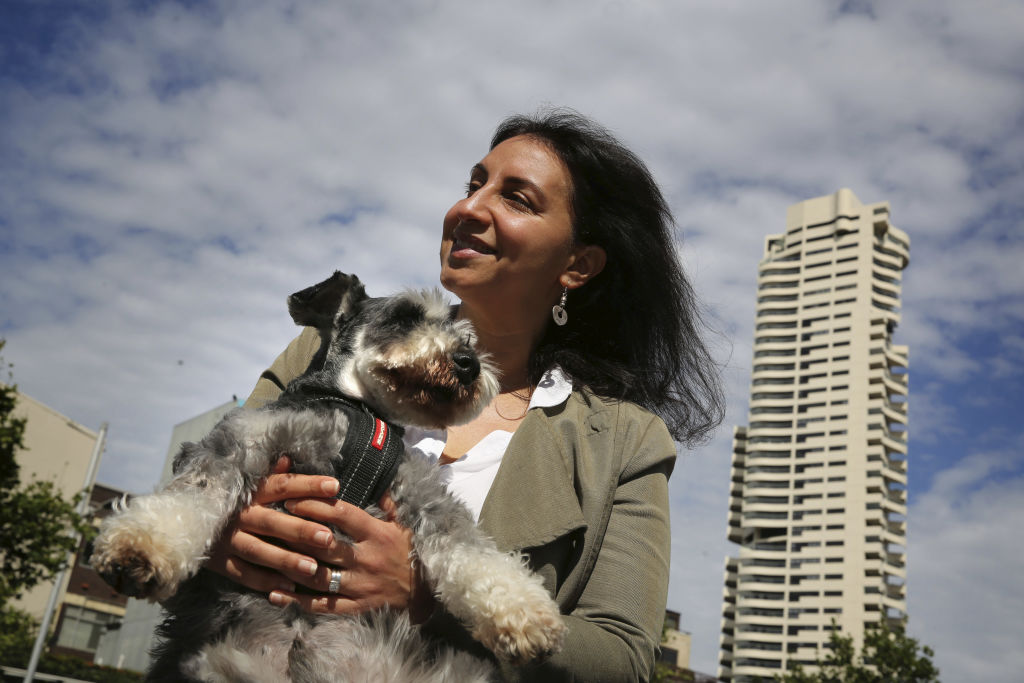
<point x="533" y="499"/>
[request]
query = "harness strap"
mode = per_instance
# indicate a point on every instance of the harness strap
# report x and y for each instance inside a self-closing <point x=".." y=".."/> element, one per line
<point x="370" y="455"/>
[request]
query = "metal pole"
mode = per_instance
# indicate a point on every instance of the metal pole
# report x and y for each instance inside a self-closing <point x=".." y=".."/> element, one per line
<point x="51" y="604"/>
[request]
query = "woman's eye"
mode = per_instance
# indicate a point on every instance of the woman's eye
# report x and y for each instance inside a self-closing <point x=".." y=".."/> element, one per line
<point x="519" y="200"/>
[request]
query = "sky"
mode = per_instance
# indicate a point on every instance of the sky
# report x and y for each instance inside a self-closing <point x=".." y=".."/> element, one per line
<point x="171" y="171"/>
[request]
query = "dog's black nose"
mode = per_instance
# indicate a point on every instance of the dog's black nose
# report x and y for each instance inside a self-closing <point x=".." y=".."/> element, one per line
<point x="467" y="367"/>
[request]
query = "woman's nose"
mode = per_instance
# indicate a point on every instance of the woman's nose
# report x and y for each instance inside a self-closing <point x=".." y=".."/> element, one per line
<point x="472" y="209"/>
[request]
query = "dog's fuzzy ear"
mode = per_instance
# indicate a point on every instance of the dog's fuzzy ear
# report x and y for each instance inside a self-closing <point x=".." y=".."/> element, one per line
<point x="319" y="305"/>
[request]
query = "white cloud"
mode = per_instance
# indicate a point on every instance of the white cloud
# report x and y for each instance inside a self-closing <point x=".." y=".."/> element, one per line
<point x="964" y="597"/>
<point x="932" y="417"/>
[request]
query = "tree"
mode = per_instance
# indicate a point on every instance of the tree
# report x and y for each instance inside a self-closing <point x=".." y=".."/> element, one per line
<point x="17" y="634"/>
<point x="889" y="656"/>
<point x="38" y="530"/>
<point x="38" y="527"/>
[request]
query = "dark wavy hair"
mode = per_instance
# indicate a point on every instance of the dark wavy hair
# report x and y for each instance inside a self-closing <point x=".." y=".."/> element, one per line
<point x="634" y="331"/>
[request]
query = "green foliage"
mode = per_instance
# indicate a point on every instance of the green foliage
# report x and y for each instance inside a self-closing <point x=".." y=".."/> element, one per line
<point x="665" y="673"/>
<point x="38" y="528"/>
<point x="72" y="667"/>
<point x="17" y="635"/>
<point x="889" y="656"/>
<point x="12" y="431"/>
<point x="661" y="673"/>
<point x="37" y="531"/>
<point x="895" y="657"/>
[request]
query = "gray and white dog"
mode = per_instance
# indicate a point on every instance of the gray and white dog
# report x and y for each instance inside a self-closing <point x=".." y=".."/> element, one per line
<point x="406" y="359"/>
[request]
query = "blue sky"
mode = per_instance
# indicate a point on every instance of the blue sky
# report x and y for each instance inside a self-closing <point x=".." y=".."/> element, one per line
<point x="169" y="172"/>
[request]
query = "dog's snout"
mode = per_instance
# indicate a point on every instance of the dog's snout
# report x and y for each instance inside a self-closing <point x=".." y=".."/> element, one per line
<point x="467" y="366"/>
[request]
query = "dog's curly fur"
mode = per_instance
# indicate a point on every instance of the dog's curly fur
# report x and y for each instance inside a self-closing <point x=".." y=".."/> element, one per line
<point x="406" y="358"/>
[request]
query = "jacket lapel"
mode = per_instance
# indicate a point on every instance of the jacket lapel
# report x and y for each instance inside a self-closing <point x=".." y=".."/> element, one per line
<point x="533" y="499"/>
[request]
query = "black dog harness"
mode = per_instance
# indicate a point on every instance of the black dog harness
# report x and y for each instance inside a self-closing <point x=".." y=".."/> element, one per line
<point x="370" y="454"/>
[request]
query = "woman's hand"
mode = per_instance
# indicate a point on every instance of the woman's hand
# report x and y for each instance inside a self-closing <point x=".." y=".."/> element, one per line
<point x="243" y="556"/>
<point x="375" y="570"/>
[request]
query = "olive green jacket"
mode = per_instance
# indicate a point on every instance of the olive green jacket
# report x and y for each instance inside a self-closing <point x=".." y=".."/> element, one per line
<point x="582" y="492"/>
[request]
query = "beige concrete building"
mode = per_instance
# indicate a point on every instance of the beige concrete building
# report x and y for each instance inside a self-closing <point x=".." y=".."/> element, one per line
<point x="57" y="449"/>
<point x="675" y="644"/>
<point x="818" y="493"/>
<point x="88" y="607"/>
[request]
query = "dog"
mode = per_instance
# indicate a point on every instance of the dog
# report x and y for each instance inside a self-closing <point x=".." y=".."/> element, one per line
<point x="408" y="362"/>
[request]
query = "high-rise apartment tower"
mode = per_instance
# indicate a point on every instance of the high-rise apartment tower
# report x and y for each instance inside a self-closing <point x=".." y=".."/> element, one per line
<point x="818" y="493"/>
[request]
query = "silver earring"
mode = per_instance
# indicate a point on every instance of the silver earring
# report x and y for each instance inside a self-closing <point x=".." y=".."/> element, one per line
<point x="558" y="310"/>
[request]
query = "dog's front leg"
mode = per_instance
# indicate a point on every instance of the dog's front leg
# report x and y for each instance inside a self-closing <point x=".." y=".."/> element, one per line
<point x="158" y="541"/>
<point x="504" y="605"/>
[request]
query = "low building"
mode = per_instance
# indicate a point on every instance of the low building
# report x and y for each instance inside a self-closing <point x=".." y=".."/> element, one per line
<point x="674" y="657"/>
<point x="56" y="449"/>
<point x="675" y="644"/>
<point x="89" y="607"/>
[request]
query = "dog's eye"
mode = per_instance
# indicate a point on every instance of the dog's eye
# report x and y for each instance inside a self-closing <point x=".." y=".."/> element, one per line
<point x="406" y="314"/>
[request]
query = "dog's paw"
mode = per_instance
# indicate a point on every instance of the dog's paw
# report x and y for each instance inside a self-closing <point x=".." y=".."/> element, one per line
<point x="132" y="574"/>
<point x="525" y="633"/>
<point x="132" y="568"/>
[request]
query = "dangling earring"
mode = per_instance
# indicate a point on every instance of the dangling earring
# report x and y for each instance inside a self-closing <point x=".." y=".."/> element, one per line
<point x="558" y="310"/>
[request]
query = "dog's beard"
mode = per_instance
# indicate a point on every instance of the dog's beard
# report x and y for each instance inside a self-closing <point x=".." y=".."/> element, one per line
<point x="428" y="394"/>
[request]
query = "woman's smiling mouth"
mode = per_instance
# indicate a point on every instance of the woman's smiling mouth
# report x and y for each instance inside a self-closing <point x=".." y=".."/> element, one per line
<point x="465" y="246"/>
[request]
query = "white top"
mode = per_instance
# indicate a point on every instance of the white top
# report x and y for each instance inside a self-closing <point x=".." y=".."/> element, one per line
<point x="470" y="477"/>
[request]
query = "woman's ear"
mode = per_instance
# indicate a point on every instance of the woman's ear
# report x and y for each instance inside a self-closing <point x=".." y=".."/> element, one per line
<point x="587" y="261"/>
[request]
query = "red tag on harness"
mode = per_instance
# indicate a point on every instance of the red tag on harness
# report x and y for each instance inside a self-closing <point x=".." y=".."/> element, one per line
<point x="380" y="434"/>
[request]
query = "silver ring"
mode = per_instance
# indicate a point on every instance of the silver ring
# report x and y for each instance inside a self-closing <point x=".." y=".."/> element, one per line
<point x="335" y="585"/>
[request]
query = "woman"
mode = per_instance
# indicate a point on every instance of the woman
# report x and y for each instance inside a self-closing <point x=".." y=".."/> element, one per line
<point x="562" y="256"/>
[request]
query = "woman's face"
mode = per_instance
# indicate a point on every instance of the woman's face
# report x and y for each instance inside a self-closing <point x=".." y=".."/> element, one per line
<point x="511" y="238"/>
